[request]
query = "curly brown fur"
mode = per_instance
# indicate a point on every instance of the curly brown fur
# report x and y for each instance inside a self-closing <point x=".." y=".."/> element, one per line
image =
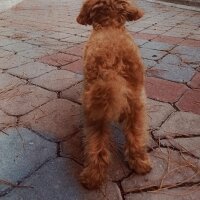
<point x="113" y="90"/>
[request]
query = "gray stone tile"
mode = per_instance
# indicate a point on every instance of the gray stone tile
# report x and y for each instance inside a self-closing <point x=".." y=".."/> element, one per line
<point x="174" y="73"/>
<point x="158" y="46"/>
<point x="4" y="53"/>
<point x="57" y="80"/>
<point x="6" y="41"/>
<point x="159" y="158"/>
<point x="13" y="61"/>
<point x="181" y="193"/>
<point x="22" y="152"/>
<point x="31" y="70"/>
<point x="158" y="112"/>
<point x="35" y="52"/>
<point x="24" y="98"/>
<point x="185" y="50"/>
<point x="74" y="93"/>
<point x="60" y="181"/>
<point x="172" y="60"/>
<point x="56" y="120"/>
<point x="152" y="54"/>
<point x="8" y="82"/>
<point x="186" y="145"/>
<point x="17" y="47"/>
<point x="180" y="124"/>
<point x="6" y="121"/>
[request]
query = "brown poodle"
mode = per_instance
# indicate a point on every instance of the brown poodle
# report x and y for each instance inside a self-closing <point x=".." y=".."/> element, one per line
<point x="113" y="90"/>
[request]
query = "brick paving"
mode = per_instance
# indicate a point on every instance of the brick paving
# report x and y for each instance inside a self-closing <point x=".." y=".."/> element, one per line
<point x="41" y="121"/>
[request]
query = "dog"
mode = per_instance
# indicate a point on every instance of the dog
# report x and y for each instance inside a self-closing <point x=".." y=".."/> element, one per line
<point x="113" y="89"/>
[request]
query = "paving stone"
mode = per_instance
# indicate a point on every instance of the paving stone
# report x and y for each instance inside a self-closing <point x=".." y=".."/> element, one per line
<point x="172" y="59"/>
<point x="158" y="112"/>
<point x="185" y="50"/>
<point x="24" y="98"/>
<point x="8" y="82"/>
<point x="185" y="145"/>
<point x="6" y="121"/>
<point x="152" y="54"/>
<point x="190" y="42"/>
<point x="58" y="59"/>
<point x="13" y="61"/>
<point x="49" y="43"/>
<point x="76" y="67"/>
<point x="75" y="39"/>
<point x="60" y="181"/>
<point x="17" y="47"/>
<point x="163" y="174"/>
<point x="179" y="124"/>
<point x="158" y="46"/>
<point x="74" y="93"/>
<point x="145" y="36"/>
<point x="181" y="193"/>
<point x="55" y="120"/>
<point x="156" y="89"/>
<point x="36" y="52"/>
<point x="31" y="70"/>
<point x="195" y="82"/>
<point x="149" y="63"/>
<point x="140" y="42"/>
<point x="72" y="147"/>
<point x="174" y="73"/>
<point x="76" y="50"/>
<point x="5" y="41"/>
<point x="190" y="59"/>
<point x="168" y="39"/>
<point x="57" y="80"/>
<point x="21" y="153"/>
<point x="59" y="35"/>
<point x="4" y="53"/>
<point x="189" y="102"/>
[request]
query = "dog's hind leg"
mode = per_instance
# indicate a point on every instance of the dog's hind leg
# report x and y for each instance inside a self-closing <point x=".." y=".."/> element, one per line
<point x="135" y="130"/>
<point x="97" y="155"/>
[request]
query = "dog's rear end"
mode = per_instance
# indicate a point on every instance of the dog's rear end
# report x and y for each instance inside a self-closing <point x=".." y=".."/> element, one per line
<point x="114" y="88"/>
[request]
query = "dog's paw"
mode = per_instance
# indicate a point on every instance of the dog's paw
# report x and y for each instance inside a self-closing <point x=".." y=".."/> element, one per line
<point x="140" y="166"/>
<point x="91" y="178"/>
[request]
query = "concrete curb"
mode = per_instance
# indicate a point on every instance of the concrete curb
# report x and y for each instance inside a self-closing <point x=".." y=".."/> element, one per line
<point x="175" y="5"/>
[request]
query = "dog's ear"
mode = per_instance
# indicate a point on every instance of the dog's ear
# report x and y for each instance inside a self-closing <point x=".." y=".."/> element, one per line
<point x="92" y="10"/>
<point x="132" y="12"/>
<point x="84" y="15"/>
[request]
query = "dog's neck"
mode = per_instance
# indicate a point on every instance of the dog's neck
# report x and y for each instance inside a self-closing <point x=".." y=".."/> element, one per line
<point x="107" y="25"/>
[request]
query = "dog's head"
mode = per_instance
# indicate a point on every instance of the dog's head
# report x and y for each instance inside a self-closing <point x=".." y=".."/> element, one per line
<point x="105" y="11"/>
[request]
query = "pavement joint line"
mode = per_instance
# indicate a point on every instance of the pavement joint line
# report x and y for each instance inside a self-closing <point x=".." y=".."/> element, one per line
<point x="184" y="7"/>
<point x="7" y="191"/>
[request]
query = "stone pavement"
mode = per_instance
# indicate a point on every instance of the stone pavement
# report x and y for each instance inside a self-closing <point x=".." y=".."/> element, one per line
<point x="40" y="106"/>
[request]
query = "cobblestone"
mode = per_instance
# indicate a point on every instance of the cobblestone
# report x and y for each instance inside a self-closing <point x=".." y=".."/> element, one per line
<point x="55" y="120"/>
<point x="57" y="80"/>
<point x="27" y="152"/>
<point x="180" y="124"/>
<point x="61" y="183"/>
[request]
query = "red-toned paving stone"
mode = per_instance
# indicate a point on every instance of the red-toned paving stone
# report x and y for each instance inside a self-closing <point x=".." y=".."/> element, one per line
<point x="58" y="59"/>
<point x="190" y="101"/>
<point x="163" y="90"/>
<point x="195" y="82"/>
<point x="168" y="39"/>
<point x="190" y="42"/>
<point x="146" y="36"/>
<point x="75" y="50"/>
<point x="76" y="67"/>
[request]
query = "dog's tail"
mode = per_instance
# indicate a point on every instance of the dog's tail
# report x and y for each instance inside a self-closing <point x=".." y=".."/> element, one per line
<point x="107" y="100"/>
